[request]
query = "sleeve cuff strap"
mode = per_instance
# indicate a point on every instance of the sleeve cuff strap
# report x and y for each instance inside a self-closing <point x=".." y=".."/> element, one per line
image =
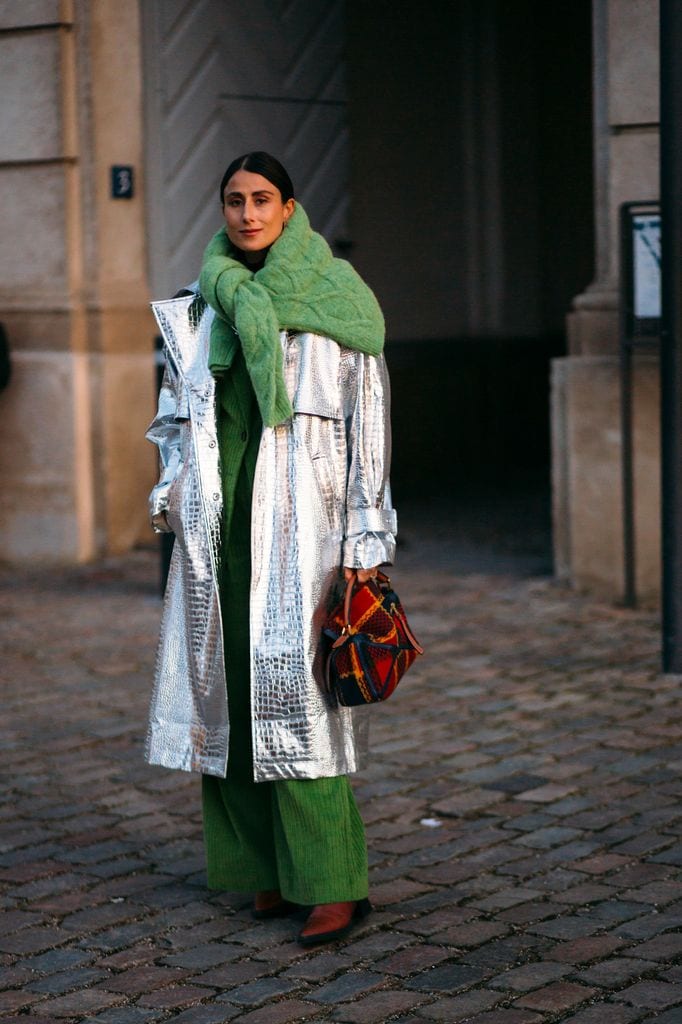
<point x="371" y="520"/>
<point x="369" y="550"/>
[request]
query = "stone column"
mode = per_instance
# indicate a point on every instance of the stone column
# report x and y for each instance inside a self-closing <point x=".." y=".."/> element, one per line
<point x="587" y="486"/>
<point x="73" y="291"/>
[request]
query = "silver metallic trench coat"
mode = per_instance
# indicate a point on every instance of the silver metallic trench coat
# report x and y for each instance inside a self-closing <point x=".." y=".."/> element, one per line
<point x="321" y="499"/>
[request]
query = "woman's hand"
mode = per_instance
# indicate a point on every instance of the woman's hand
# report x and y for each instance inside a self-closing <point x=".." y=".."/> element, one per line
<point x="362" y="574"/>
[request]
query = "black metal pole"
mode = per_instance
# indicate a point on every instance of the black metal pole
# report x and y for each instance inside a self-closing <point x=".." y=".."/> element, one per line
<point x="671" y="330"/>
<point x="629" y="566"/>
<point x="626" y="354"/>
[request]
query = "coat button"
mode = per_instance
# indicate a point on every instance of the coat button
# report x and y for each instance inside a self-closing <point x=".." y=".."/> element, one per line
<point x="244" y="435"/>
<point x="211" y="444"/>
<point x="216" y="497"/>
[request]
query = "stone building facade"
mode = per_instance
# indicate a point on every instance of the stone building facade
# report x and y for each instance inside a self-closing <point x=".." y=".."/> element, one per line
<point x="474" y="226"/>
<point x="586" y="456"/>
<point x="73" y="281"/>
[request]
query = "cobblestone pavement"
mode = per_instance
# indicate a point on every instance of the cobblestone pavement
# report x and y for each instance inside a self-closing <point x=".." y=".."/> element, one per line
<point x="523" y="804"/>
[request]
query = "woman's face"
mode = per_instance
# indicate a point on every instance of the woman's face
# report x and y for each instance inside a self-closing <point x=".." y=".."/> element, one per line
<point x="254" y="213"/>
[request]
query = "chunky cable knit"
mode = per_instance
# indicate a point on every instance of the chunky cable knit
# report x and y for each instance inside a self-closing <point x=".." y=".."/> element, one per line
<point x="301" y="287"/>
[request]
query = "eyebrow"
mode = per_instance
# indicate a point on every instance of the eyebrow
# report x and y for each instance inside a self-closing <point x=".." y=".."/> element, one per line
<point x="258" y="192"/>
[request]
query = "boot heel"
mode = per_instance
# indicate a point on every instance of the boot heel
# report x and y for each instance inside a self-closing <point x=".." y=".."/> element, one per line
<point x="363" y="909"/>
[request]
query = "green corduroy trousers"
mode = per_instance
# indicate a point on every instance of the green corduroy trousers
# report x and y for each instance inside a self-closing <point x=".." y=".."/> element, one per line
<point x="304" y="837"/>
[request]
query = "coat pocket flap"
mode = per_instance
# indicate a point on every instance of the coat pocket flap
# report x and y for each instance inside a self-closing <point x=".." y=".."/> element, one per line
<point x="314" y="364"/>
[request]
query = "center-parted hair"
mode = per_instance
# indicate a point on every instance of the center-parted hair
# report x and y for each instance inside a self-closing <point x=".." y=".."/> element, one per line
<point x="260" y="163"/>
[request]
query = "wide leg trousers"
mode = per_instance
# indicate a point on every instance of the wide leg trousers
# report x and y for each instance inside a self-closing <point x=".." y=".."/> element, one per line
<point x="304" y="837"/>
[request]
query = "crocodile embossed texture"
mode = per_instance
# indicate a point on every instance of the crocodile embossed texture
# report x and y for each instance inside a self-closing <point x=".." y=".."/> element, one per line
<point x="317" y="476"/>
<point x="188" y="722"/>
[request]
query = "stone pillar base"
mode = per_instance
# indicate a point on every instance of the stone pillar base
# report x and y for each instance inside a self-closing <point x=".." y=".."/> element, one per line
<point x="74" y="464"/>
<point x="587" y="500"/>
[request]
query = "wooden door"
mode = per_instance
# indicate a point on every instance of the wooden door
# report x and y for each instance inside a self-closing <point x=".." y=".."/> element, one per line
<point x="223" y="77"/>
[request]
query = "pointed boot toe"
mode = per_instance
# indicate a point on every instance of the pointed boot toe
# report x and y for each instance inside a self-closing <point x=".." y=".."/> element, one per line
<point x="329" y="921"/>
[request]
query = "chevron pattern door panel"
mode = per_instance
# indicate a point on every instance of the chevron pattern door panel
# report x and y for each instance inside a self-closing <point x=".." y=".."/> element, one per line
<point x="226" y="76"/>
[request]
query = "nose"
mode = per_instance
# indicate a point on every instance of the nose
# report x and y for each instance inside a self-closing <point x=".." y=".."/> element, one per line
<point x="247" y="210"/>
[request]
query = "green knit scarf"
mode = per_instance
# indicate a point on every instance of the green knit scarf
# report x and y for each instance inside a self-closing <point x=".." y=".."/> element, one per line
<point x="301" y="287"/>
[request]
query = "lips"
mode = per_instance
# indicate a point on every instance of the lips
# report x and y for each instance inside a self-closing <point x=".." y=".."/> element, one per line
<point x="250" y="233"/>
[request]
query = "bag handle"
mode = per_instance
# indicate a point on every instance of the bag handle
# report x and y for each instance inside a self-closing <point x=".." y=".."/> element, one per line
<point x="408" y="632"/>
<point x="381" y="577"/>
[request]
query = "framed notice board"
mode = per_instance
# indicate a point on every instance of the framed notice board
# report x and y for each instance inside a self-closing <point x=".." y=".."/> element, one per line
<point x="640" y="328"/>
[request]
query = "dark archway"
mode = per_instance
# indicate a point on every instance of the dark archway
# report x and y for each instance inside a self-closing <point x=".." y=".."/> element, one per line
<point x="472" y="216"/>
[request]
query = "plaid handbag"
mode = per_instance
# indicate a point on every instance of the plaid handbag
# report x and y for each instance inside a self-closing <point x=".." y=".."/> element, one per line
<point x="370" y="644"/>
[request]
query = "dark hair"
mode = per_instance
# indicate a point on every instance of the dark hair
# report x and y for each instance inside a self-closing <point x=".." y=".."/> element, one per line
<point x="260" y="163"/>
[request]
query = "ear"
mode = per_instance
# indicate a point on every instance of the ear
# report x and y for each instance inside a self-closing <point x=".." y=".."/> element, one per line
<point x="288" y="208"/>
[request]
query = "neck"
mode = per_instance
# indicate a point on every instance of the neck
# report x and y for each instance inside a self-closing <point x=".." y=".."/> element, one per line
<point x="252" y="259"/>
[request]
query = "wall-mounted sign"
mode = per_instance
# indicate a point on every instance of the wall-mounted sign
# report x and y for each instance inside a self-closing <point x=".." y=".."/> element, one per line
<point x="640" y="271"/>
<point x="122" y="185"/>
<point x="646" y="253"/>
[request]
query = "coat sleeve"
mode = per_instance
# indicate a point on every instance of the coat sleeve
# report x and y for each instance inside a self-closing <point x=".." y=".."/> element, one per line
<point x="371" y="523"/>
<point x="165" y="431"/>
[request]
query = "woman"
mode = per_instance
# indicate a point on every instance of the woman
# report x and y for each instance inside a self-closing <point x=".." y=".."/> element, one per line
<point x="274" y="441"/>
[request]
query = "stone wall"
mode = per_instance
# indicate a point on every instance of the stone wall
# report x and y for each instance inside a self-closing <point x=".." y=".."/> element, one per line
<point x="73" y="281"/>
<point x="585" y="402"/>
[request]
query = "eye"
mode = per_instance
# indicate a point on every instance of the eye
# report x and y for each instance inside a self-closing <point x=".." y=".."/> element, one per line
<point x="233" y="202"/>
<point x="261" y="200"/>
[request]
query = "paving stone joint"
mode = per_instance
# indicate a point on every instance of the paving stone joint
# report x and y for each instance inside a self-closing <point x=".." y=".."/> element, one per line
<point x="523" y="810"/>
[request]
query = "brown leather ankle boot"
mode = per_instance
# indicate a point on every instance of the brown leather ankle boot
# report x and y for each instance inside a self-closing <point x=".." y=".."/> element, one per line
<point x="329" y="921"/>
